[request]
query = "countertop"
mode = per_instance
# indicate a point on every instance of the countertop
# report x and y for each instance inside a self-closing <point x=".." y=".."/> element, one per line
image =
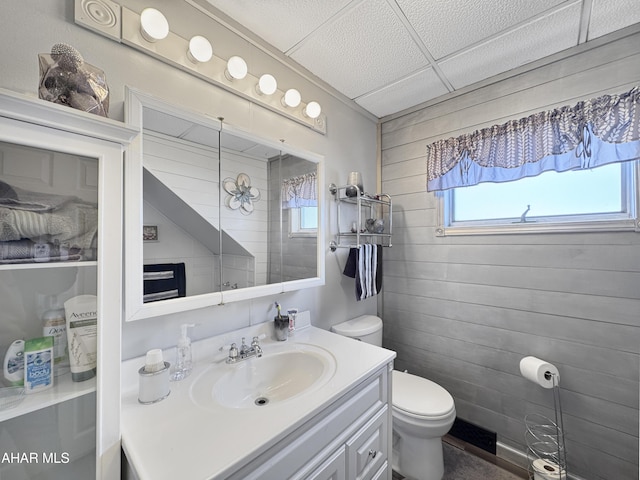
<point x="176" y="438"/>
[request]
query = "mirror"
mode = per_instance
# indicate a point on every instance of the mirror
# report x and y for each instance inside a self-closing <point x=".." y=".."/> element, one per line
<point x="214" y="214"/>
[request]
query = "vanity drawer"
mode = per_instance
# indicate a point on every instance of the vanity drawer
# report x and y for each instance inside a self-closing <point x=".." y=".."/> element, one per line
<point x="367" y="449"/>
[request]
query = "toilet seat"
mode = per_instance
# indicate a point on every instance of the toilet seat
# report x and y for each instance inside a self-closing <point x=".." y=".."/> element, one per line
<point x="418" y="397"/>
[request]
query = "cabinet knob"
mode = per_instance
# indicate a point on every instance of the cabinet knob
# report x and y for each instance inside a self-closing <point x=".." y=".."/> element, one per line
<point x="373" y="453"/>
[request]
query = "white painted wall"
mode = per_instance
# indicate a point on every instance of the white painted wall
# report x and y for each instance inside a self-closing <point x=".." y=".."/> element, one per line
<point x="33" y="26"/>
<point x="463" y="311"/>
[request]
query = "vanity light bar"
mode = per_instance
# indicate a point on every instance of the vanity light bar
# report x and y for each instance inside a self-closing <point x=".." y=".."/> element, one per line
<point x="150" y="32"/>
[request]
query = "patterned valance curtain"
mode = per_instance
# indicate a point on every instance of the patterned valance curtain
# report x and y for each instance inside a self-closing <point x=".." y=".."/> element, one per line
<point x="592" y="133"/>
<point x="300" y="191"/>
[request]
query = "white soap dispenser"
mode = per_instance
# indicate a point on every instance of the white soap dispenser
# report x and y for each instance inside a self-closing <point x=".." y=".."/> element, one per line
<point x="184" y="359"/>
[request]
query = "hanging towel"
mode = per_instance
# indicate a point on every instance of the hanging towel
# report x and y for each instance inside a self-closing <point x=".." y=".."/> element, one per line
<point x="369" y="271"/>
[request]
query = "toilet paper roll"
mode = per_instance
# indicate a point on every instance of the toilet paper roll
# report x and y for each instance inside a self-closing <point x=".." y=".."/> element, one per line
<point x="540" y="372"/>
<point x="545" y="470"/>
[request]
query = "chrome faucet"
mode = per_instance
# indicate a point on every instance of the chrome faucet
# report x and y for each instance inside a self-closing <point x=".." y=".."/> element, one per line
<point x="237" y="355"/>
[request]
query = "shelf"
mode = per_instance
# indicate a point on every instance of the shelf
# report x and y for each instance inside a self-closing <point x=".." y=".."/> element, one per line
<point x="39" y="265"/>
<point x="366" y="206"/>
<point x="63" y="389"/>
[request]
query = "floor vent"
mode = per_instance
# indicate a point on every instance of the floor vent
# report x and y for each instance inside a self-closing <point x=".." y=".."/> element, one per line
<point x="474" y="435"/>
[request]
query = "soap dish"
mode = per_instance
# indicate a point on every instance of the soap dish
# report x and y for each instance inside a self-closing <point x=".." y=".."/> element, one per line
<point x="11" y="397"/>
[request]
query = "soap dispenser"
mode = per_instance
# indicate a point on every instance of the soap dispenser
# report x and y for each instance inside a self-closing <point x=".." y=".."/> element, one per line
<point x="184" y="359"/>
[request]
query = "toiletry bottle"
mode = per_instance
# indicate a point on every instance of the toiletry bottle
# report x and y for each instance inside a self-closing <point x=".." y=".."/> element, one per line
<point x="292" y="312"/>
<point x="54" y="324"/>
<point x="184" y="359"/>
<point x="14" y="363"/>
<point x="82" y="336"/>
<point x="38" y="364"/>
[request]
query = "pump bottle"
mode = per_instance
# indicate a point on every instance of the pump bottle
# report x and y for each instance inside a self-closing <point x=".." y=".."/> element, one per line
<point x="184" y="359"/>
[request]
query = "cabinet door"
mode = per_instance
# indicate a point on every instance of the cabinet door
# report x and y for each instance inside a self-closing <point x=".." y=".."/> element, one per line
<point x="333" y="468"/>
<point x="367" y="450"/>
<point x="60" y="237"/>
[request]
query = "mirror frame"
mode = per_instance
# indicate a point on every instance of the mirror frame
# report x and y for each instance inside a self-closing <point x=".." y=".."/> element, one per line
<point x="135" y="308"/>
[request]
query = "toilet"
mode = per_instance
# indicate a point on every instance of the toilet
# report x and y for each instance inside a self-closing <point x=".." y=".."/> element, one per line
<point x="422" y="410"/>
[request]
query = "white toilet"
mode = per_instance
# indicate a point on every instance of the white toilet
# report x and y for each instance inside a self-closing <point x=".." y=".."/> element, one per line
<point x="422" y="410"/>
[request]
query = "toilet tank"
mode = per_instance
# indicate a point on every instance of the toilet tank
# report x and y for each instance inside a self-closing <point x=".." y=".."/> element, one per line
<point x="366" y="328"/>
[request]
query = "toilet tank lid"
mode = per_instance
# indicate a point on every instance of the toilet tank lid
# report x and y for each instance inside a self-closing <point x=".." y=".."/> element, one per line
<point x="359" y="326"/>
<point x="420" y="396"/>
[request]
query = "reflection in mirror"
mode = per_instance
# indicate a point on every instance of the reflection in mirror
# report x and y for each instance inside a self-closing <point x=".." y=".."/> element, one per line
<point x="217" y="227"/>
<point x="245" y="214"/>
<point x="298" y="208"/>
<point x="180" y="192"/>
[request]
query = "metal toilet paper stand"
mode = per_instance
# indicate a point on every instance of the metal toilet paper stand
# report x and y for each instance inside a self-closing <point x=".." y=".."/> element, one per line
<point x="546" y="452"/>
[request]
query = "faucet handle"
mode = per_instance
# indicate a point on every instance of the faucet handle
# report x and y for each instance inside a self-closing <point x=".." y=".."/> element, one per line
<point x="233" y="351"/>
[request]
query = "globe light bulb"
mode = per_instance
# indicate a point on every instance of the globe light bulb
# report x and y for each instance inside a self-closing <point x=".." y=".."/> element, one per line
<point x="267" y="85"/>
<point x="153" y="25"/>
<point x="200" y="50"/>
<point x="236" y="68"/>
<point x="312" y="110"/>
<point x="291" y="98"/>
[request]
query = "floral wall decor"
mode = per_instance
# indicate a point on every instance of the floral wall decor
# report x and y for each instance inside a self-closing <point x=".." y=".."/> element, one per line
<point x="241" y="194"/>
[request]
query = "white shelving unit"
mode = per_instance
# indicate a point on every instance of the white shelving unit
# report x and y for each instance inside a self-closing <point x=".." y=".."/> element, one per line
<point x="52" y="149"/>
<point x="353" y="214"/>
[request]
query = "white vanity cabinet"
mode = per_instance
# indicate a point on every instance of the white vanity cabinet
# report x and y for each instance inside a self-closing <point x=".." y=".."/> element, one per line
<point x="349" y="439"/>
<point x="49" y="152"/>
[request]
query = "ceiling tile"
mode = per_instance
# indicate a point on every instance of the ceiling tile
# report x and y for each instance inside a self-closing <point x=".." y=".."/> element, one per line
<point x="530" y="42"/>
<point x="406" y="93"/>
<point x="610" y="15"/>
<point x="448" y="26"/>
<point x="282" y="23"/>
<point x="362" y="50"/>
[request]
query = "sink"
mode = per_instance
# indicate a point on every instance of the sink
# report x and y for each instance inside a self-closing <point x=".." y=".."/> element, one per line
<point x="281" y="374"/>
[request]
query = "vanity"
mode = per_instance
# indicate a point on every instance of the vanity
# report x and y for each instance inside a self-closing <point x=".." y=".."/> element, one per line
<point x="317" y="406"/>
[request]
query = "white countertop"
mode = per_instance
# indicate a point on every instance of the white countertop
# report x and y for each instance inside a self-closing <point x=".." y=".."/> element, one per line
<point x="176" y="438"/>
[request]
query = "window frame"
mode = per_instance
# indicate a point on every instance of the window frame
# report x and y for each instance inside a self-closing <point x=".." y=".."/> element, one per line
<point x="609" y="222"/>
<point x="295" y="230"/>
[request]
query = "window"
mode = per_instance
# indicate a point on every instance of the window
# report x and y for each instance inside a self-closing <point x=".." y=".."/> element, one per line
<point x="303" y="222"/>
<point x="603" y="198"/>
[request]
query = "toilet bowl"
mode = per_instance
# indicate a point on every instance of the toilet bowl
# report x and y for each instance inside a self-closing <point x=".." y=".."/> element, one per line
<point x="422" y="410"/>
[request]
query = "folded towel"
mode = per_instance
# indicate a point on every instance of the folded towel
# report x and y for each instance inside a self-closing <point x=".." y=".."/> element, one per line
<point x="47" y="218"/>
<point x="163" y="281"/>
<point x="26" y="251"/>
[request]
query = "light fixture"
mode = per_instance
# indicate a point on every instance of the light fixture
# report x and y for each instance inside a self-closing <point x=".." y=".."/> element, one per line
<point x="267" y="85"/>
<point x="312" y="110"/>
<point x="236" y="68"/>
<point x="291" y="98"/>
<point x="200" y="50"/>
<point x="153" y="25"/>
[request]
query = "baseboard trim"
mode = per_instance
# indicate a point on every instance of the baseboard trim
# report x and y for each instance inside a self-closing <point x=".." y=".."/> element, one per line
<point x="519" y="458"/>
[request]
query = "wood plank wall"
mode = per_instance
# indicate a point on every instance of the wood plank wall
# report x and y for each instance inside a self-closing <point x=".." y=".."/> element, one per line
<point x="463" y="311"/>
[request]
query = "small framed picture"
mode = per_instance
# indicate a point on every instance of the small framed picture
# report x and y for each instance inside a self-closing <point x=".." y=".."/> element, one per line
<point x="150" y="233"/>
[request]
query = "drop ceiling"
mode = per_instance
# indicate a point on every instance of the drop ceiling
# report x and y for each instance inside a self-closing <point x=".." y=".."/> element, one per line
<point x="390" y="55"/>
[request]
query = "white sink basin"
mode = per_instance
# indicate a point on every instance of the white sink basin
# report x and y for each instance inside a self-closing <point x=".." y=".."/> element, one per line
<point x="282" y="373"/>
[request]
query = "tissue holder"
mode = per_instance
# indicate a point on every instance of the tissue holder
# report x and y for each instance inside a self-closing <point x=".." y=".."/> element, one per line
<point x="153" y="386"/>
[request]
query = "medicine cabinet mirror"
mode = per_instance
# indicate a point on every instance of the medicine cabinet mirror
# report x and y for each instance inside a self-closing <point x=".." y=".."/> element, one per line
<point x="206" y="222"/>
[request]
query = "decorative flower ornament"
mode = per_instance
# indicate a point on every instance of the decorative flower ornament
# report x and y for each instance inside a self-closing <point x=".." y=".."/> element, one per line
<point x="241" y="193"/>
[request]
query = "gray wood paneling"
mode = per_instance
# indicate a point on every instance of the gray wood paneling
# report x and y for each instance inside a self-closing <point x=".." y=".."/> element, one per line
<point x="464" y="310"/>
